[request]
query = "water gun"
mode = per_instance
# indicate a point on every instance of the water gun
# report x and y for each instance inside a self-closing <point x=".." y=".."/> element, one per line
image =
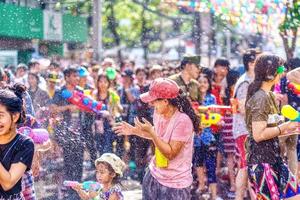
<point x="82" y="101"/>
<point x="295" y="88"/>
<point x="87" y="185"/>
<point x="38" y="135"/>
<point x="214" y="108"/>
<point x="290" y="113"/>
<point x="208" y="119"/>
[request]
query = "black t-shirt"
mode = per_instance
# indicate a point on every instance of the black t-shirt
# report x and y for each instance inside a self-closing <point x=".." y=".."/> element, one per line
<point x="20" y="149"/>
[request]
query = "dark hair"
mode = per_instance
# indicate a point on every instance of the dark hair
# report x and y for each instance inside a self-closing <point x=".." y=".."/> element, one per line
<point x="12" y="98"/>
<point x="138" y="70"/>
<point x="249" y="56"/>
<point x="208" y="72"/>
<point x="184" y="63"/>
<point x="103" y="76"/>
<point x="208" y="80"/>
<point x="116" y="179"/>
<point x="222" y="62"/>
<point x="183" y="105"/>
<point x="35" y="76"/>
<point x="266" y="66"/>
<point x="32" y="63"/>
<point x="54" y="64"/>
<point x="292" y="63"/>
<point x="67" y="72"/>
<point x="231" y="78"/>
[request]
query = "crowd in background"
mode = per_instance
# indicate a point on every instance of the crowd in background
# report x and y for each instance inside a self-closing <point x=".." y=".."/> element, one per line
<point x="118" y="85"/>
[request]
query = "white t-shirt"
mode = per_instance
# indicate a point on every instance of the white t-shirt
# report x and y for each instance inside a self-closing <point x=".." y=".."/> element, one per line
<point x="240" y="93"/>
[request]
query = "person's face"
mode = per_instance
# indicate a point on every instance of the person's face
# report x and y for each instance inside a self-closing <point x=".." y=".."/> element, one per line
<point x="83" y="81"/>
<point x="221" y="71"/>
<point x="203" y="84"/>
<point x="141" y="76"/>
<point x="32" y="81"/>
<point x="160" y="106"/>
<point x="51" y="84"/>
<point x="193" y="70"/>
<point x="156" y="74"/>
<point x="103" y="84"/>
<point x="35" y="69"/>
<point x="277" y="78"/>
<point x="73" y="79"/>
<point x="7" y="121"/>
<point x="20" y="72"/>
<point x="127" y="80"/>
<point x="103" y="175"/>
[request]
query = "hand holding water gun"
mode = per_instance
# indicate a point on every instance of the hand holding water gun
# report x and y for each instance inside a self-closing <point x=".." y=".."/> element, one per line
<point x="295" y="88"/>
<point x="290" y="113"/>
<point x="39" y="135"/>
<point x="83" y="102"/>
<point x="87" y="185"/>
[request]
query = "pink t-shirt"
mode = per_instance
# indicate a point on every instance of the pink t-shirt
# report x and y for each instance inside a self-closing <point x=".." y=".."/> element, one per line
<point x="178" y="174"/>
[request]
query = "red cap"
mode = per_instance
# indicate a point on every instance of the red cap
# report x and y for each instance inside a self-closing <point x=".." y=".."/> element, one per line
<point x="161" y="88"/>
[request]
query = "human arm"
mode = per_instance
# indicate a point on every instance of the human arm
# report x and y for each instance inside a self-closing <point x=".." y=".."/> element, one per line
<point x="294" y="75"/>
<point x="261" y="132"/>
<point x="169" y="149"/>
<point x="83" y="194"/>
<point x="21" y="161"/>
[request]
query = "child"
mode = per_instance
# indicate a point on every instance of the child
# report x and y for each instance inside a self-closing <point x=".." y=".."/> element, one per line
<point x="109" y="168"/>
<point x="205" y="150"/>
<point x="16" y="150"/>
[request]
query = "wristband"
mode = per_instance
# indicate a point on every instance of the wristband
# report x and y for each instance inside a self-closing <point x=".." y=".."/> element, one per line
<point x="279" y="130"/>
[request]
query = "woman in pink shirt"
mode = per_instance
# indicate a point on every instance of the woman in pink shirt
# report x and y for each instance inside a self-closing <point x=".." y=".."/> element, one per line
<point x="170" y="172"/>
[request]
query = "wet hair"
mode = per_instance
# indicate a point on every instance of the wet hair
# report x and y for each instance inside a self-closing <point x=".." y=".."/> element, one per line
<point x="182" y="103"/>
<point x="249" y="56"/>
<point x="116" y="179"/>
<point x="266" y="66"/>
<point x="12" y="98"/>
<point x="231" y="78"/>
<point x="67" y="72"/>
<point x="222" y="62"/>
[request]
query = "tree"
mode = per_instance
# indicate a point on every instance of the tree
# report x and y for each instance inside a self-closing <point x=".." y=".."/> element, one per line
<point x="289" y="28"/>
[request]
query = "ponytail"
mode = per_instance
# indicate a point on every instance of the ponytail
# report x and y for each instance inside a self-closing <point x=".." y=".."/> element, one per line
<point x="183" y="105"/>
<point x="12" y="98"/>
<point x="253" y="87"/>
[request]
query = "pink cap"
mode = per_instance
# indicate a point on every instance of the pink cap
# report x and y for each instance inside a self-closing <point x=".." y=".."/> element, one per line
<point x="161" y="88"/>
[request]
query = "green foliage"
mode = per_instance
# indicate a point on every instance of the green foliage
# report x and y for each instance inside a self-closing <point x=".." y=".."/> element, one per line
<point x="292" y="20"/>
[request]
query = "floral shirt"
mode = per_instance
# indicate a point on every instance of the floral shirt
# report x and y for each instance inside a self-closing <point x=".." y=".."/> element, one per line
<point x="116" y="189"/>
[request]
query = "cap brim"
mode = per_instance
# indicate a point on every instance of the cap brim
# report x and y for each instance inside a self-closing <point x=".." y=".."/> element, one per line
<point x="147" y="98"/>
<point x="54" y="80"/>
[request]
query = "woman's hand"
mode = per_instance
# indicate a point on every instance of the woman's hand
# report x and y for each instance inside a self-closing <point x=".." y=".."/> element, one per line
<point x="290" y="127"/>
<point x="123" y="128"/>
<point x="146" y="126"/>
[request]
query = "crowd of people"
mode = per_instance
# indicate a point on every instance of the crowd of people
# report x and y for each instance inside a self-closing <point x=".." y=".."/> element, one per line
<point x="153" y="122"/>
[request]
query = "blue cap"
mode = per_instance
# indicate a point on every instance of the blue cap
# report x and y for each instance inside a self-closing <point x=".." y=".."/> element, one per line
<point x="83" y="72"/>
